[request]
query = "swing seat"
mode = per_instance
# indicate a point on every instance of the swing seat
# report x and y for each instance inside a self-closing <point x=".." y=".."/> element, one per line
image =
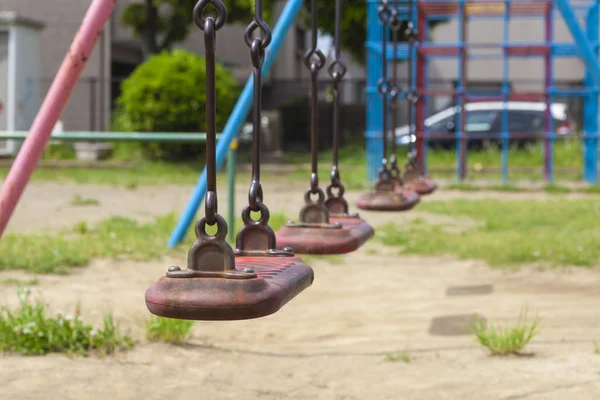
<point x="359" y="228"/>
<point x="423" y="185"/>
<point x="401" y="199"/>
<point x="321" y="239"/>
<point x="232" y="295"/>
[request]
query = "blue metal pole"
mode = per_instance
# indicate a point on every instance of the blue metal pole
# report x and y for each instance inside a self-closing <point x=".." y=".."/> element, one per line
<point x="460" y="89"/>
<point x="236" y="119"/>
<point x="586" y="52"/>
<point x="505" y="94"/>
<point x="374" y="103"/>
<point x="590" y="111"/>
<point x="549" y="96"/>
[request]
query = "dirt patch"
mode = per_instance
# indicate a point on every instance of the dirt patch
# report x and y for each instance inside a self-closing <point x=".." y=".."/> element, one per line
<point x="330" y="342"/>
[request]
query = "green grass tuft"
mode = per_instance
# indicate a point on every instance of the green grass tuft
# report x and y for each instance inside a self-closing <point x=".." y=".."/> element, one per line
<point x="403" y="356"/>
<point x="174" y="331"/>
<point x="505" y="341"/>
<point x="29" y="330"/>
<point x="79" y="201"/>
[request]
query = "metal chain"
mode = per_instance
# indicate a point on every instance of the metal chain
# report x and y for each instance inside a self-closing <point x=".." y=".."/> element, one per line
<point x="314" y="60"/>
<point x="210" y="26"/>
<point x="395" y="89"/>
<point x="383" y="86"/>
<point x="337" y="70"/>
<point x="412" y="96"/>
<point x="257" y="47"/>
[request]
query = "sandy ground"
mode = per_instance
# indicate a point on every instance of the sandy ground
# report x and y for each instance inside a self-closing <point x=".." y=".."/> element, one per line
<point x="330" y="342"/>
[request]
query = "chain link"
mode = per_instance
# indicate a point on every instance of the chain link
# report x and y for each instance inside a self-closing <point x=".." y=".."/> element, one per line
<point x="412" y="96"/>
<point x="385" y="14"/>
<point x="337" y="70"/>
<point x="210" y="25"/>
<point x="314" y="60"/>
<point x="257" y="47"/>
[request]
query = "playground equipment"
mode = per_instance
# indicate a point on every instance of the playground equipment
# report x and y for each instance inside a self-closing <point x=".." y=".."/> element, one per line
<point x="257" y="279"/>
<point x="315" y="233"/>
<point x="98" y="13"/>
<point x="413" y="171"/>
<point x="336" y="203"/>
<point x="236" y="119"/>
<point x="549" y="49"/>
<point x="389" y="193"/>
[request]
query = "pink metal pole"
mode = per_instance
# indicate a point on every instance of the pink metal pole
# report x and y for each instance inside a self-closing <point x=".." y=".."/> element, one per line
<point x="54" y="103"/>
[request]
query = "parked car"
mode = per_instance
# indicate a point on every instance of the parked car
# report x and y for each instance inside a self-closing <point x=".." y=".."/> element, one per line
<point x="484" y="123"/>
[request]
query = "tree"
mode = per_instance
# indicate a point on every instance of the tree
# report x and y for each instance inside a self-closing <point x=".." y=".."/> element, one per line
<point x="160" y="24"/>
<point x="354" y="25"/>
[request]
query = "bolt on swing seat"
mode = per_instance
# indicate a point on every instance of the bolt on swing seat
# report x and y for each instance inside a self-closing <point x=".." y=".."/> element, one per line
<point x="257" y="279"/>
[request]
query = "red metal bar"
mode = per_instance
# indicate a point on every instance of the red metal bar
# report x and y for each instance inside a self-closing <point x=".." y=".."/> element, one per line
<point x="527" y="50"/>
<point x="98" y="13"/>
<point x="420" y="109"/>
<point x="440" y="50"/>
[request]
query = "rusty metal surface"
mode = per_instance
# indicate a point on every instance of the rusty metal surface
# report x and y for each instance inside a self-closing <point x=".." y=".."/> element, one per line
<point x="277" y="281"/>
<point x="414" y="180"/>
<point x="359" y="228"/>
<point x="400" y="199"/>
<point x="318" y="240"/>
<point x="422" y="186"/>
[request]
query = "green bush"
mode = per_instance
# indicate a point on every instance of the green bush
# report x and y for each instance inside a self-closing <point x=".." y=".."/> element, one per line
<point x="167" y="94"/>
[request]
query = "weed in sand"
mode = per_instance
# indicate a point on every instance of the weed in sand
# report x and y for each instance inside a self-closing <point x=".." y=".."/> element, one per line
<point x="29" y="330"/>
<point x="174" y="331"/>
<point x="403" y="356"/>
<point x="79" y="201"/>
<point x="596" y="348"/>
<point x="505" y="341"/>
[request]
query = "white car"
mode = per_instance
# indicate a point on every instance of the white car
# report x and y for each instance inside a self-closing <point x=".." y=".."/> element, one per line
<point x="484" y="122"/>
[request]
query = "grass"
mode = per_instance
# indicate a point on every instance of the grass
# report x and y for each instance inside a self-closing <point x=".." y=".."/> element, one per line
<point x="115" y="237"/>
<point x="168" y="330"/>
<point x="79" y="201"/>
<point x="567" y="154"/>
<point x="19" y="282"/>
<point x="551" y="232"/>
<point x="403" y="356"/>
<point x="29" y="330"/>
<point x="596" y="348"/>
<point x="505" y="341"/>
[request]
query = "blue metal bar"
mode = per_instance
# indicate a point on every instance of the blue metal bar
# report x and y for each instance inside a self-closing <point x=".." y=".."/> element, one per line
<point x="505" y="92"/>
<point x="236" y="119"/>
<point x="590" y="110"/>
<point x="425" y="72"/>
<point x="586" y="52"/>
<point x="461" y="114"/>
<point x="550" y="99"/>
<point x="374" y="103"/>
